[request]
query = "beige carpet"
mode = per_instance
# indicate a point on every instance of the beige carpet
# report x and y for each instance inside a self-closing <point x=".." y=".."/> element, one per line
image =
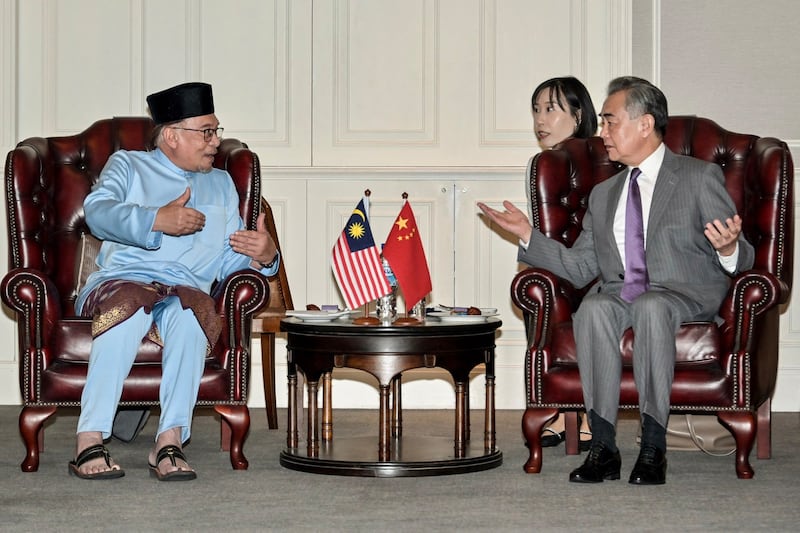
<point x="702" y="493"/>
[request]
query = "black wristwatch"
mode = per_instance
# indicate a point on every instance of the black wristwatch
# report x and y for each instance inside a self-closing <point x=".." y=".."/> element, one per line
<point x="271" y="263"/>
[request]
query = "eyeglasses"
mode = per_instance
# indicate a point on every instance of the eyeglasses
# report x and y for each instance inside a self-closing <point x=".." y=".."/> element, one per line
<point x="208" y="133"/>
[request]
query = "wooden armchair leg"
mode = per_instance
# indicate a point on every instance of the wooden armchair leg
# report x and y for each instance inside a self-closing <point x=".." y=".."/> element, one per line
<point x="764" y="430"/>
<point x="235" y="425"/>
<point x="533" y="421"/>
<point x="31" y="420"/>
<point x="743" y="426"/>
<point x="571" y="427"/>
<point x="268" y="371"/>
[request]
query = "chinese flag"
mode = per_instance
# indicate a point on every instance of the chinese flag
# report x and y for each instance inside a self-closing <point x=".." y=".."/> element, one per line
<point x="403" y="250"/>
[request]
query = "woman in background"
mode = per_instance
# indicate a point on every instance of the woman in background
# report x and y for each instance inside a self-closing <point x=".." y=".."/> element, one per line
<point x="562" y="109"/>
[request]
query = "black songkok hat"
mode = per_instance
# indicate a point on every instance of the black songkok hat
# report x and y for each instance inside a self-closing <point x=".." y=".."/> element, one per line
<point x="182" y="101"/>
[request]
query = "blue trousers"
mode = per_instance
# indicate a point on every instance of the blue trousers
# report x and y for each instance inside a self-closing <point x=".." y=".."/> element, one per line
<point x="114" y="352"/>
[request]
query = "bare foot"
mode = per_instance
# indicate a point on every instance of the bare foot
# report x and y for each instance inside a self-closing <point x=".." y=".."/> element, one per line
<point x="87" y="439"/>
<point x="170" y="437"/>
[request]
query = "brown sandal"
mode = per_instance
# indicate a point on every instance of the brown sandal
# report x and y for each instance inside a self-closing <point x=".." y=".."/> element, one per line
<point x="172" y="453"/>
<point x="95" y="452"/>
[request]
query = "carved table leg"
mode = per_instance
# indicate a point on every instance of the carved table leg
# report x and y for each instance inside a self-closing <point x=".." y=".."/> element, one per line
<point x="489" y="436"/>
<point x="291" y="431"/>
<point x="397" y="406"/>
<point x="327" y="407"/>
<point x="460" y="441"/>
<point x="384" y="430"/>
<point x="313" y="419"/>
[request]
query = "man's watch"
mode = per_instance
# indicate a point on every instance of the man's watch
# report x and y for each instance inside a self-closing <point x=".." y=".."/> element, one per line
<point x="271" y="263"/>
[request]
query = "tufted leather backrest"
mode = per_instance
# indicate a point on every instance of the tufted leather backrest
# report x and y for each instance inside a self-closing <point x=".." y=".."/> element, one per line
<point x="758" y="174"/>
<point x="47" y="180"/>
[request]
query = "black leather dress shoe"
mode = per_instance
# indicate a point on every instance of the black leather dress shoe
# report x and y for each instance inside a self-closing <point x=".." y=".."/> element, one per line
<point x="650" y="467"/>
<point x="601" y="463"/>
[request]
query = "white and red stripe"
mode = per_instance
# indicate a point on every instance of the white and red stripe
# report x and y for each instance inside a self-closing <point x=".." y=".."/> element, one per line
<point x="359" y="274"/>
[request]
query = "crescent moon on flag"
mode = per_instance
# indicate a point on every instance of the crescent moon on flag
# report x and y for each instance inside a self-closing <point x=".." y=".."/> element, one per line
<point x="359" y="213"/>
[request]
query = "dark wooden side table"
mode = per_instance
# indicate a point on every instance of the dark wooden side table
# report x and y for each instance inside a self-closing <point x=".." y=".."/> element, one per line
<point x="385" y="352"/>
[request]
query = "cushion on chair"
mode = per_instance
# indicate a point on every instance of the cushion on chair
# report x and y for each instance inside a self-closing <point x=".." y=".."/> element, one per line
<point x="86" y="259"/>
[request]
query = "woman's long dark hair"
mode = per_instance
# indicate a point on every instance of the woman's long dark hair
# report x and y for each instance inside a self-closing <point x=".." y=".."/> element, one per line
<point x="570" y="90"/>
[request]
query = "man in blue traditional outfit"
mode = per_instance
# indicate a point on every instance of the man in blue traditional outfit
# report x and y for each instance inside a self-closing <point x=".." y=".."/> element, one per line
<point x="171" y="227"/>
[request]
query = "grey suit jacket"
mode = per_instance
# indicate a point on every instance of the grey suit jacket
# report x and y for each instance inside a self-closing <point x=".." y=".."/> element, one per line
<point x="688" y="193"/>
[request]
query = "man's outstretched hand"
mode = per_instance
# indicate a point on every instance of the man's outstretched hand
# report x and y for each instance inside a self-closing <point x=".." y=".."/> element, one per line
<point x="512" y="219"/>
<point x="258" y="244"/>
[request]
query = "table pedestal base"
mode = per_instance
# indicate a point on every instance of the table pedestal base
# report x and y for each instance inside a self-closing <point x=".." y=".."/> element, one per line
<point x="410" y="457"/>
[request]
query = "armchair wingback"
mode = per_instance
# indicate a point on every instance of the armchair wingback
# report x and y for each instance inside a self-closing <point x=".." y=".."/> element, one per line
<point x="46" y="182"/>
<point x="728" y="368"/>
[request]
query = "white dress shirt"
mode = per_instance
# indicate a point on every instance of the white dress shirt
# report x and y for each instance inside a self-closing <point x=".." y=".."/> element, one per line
<point x="650" y="168"/>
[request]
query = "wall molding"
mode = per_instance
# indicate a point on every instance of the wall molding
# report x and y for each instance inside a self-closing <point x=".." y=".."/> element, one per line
<point x="490" y="133"/>
<point x="8" y="73"/>
<point x="655" y="76"/>
<point x="344" y="132"/>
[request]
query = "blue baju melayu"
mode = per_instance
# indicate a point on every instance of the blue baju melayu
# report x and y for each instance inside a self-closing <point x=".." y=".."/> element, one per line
<point x="121" y="210"/>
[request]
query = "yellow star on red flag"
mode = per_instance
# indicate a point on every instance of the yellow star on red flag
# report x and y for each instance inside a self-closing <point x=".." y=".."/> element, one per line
<point x="406" y="256"/>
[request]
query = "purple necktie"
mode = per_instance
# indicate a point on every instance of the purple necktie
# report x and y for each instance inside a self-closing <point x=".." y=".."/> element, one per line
<point x="636" y="281"/>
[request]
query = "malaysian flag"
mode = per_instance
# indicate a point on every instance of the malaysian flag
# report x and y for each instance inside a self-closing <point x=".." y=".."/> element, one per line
<point x="356" y="262"/>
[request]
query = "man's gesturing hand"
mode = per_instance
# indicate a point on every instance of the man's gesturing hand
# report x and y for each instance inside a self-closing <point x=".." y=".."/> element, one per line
<point x="176" y="219"/>
<point x="724" y="236"/>
<point x="258" y="244"/>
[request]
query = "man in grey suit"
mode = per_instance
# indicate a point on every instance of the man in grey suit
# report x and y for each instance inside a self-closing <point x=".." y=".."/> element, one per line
<point x="662" y="238"/>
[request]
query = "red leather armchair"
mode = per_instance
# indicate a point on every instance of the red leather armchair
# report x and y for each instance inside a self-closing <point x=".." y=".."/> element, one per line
<point x="728" y="369"/>
<point x="46" y="183"/>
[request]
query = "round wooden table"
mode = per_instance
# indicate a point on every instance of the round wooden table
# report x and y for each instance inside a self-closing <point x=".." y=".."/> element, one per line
<point x="385" y="352"/>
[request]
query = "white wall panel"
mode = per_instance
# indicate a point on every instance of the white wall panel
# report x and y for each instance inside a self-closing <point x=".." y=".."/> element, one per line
<point x="749" y="55"/>
<point x="8" y="73"/>
<point x="170" y="45"/>
<point x="447" y="83"/>
<point x="91" y="70"/>
<point x="738" y="68"/>
<point x="249" y="51"/>
<point x="551" y="47"/>
<point x="9" y="382"/>
<point x="376" y="86"/>
<point x="256" y="54"/>
<point x="385" y="67"/>
<point x="77" y="70"/>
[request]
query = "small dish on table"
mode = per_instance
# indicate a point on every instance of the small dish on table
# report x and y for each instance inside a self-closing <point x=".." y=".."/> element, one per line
<point x="318" y="315"/>
<point x="460" y="314"/>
